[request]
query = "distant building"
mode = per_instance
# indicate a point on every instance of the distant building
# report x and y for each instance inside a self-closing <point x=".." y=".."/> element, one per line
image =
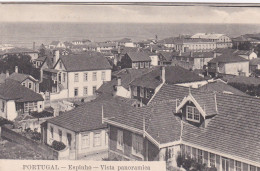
<point x="186" y="45"/>
<point x="136" y="60"/>
<point x="229" y="64"/>
<point x="247" y="54"/>
<point x="126" y="42"/>
<point x="80" y="42"/>
<point x="20" y="51"/>
<point x="56" y="44"/>
<point x="221" y="40"/>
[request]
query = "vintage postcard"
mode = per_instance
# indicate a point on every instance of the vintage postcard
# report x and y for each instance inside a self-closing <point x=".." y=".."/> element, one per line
<point x="129" y="86"/>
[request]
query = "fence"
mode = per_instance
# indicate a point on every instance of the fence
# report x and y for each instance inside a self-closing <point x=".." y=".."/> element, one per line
<point x="44" y="150"/>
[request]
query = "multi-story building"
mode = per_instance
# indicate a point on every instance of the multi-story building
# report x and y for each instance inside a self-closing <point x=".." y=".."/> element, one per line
<point x="82" y="74"/>
<point x="185" y="45"/>
<point x="222" y="41"/>
<point x="211" y="128"/>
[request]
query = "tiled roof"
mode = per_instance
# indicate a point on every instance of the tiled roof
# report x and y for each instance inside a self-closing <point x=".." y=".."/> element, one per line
<point x="234" y="131"/>
<point x="245" y="80"/>
<point x="40" y="59"/>
<point x="221" y="87"/>
<point x="85" y="62"/>
<point x="127" y="75"/>
<point x="138" y="56"/>
<point x="156" y="121"/>
<point x="167" y="56"/>
<point x="173" y="75"/>
<point x="89" y="115"/>
<point x="12" y="90"/>
<point x="207" y="102"/>
<point x="228" y="58"/>
<point x="20" y="77"/>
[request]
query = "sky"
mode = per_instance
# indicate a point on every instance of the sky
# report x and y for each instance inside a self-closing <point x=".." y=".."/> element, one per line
<point x="128" y="14"/>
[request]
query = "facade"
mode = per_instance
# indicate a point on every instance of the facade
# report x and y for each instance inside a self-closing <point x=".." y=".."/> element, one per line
<point x="221" y="40"/>
<point x="193" y="60"/>
<point x="82" y="75"/>
<point x="183" y="124"/>
<point x="254" y="65"/>
<point x="17" y="99"/>
<point x="185" y="45"/>
<point x="136" y="60"/>
<point x="25" y="80"/>
<point x="85" y="133"/>
<point x="229" y="64"/>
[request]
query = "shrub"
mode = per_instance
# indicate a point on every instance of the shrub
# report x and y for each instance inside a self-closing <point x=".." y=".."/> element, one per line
<point x="36" y="136"/>
<point x="57" y="145"/>
<point x="42" y="114"/>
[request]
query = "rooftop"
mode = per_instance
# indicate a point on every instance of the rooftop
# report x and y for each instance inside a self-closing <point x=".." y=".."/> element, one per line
<point x="12" y="90"/>
<point x="138" y="56"/>
<point x="173" y="75"/>
<point x="20" y="77"/>
<point x="228" y="58"/>
<point x="207" y="36"/>
<point x="85" y="62"/>
<point x="89" y="115"/>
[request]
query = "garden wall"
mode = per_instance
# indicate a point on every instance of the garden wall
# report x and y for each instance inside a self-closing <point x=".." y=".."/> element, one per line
<point x="47" y="152"/>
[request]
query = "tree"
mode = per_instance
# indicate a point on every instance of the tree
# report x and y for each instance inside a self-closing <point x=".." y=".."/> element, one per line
<point x="245" y="46"/>
<point x="42" y="50"/>
<point x="22" y="61"/>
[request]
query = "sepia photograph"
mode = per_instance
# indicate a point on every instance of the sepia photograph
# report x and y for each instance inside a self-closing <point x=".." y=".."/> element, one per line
<point x="130" y="86"/>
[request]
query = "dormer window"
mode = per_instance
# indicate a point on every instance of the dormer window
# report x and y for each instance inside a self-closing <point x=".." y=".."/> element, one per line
<point x="192" y="114"/>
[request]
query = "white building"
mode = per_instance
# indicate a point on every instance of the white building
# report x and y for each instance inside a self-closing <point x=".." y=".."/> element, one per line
<point x="82" y="74"/>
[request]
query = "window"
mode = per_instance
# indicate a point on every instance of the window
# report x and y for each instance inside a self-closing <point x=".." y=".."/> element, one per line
<point x="60" y="135"/>
<point x="60" y="65"/>
<point x="188" y="151"/>
<point x="171" y="152"/>
<point x="64" y="77"/>
<point x="103" y="76"/>
<point x="135" y="91"/>
<point x="141" y="92"/>
<point x="85" y="76"/>
<point x="30" y="85"/>
<point x="85" y="141"/>
<point x="212" y="160"/>
<point x="23" y="84"/>
<point x="200" y="156"/>
<point x="137" y="144"/>
<point x="76" y="92"/>
<point x="94" y="78"/>
<point x="238" y="166"/>
<point x="97" y="139"/>
<point x="69" y="139"/>
<point x="3" y="106"/>
<point x="147" y="94"/>
<point x="85" y="90"/>
<point x="192" y="114"/>
<point x="146" y="64"/>
<point x="94" y="89"/>
<point x="106" y="138"/>
<point x="225" y="164"/>
<point x="76" y="77"/>
<point x="252" y="168"/>
<point x="141" y="64"/>
<point x="120" y="143"/>
<point x="51" y="132"/>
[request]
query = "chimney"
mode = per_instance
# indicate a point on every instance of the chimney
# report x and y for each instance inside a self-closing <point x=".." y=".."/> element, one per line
<point x="6" y="74"/>
<point x="163" y="74"/>
<point x="216" y="69"/>
<point x="215" y="55"/>
<point x="33" y="46"/>
<point x="56" y="56"/>
<point x="16" y="69"/>
<point x="118" y="81"/>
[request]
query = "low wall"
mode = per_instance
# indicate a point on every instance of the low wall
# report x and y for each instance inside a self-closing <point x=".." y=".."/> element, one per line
<point x="47" y="152"/>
